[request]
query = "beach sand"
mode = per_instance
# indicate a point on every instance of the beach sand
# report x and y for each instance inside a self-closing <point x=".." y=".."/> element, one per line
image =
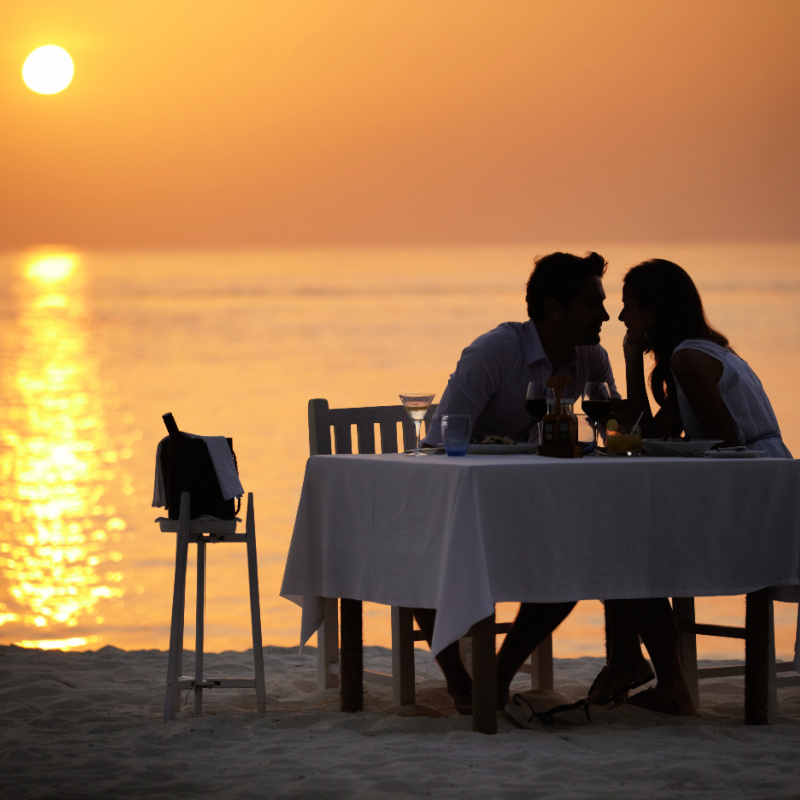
<point x="90" y="724"/>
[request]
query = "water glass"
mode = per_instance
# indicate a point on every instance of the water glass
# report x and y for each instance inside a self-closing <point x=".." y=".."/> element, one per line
<point x="586" y="433"/>
<point x="456" y="431"/>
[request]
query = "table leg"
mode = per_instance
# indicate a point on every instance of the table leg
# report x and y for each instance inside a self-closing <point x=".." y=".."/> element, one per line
<point x="484" y="676"/>
<point x="200" y="626"/>
<point x="760" y="694"/>
<point x="351" y="664"/>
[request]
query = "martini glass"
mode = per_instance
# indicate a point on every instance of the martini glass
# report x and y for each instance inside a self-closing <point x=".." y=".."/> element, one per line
<point x="416" y="405"/>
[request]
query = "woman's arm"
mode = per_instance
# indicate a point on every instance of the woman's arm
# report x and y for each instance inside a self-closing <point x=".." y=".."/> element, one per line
<point x="634" y="376"/>
<point x="637" y="390"/>
<point x="698" y="374"/>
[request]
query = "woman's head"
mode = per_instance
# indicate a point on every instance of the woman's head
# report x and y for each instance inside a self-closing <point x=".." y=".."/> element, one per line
<point x="661" y="295"/>
<point x="662" y="308"/>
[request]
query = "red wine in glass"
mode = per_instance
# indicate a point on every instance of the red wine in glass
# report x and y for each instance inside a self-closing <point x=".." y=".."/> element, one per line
<point x="536" y="407"/>
<point x="596" y="409"/>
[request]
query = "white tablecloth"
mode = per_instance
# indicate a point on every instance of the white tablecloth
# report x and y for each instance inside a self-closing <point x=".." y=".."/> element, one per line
<point x="459" y="534"/>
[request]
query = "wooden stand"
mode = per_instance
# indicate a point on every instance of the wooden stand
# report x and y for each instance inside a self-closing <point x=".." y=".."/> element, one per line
<point x="202" y="532"/>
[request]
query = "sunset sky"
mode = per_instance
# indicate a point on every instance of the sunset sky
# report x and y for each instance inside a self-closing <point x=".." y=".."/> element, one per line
<point x="202" y="123"/>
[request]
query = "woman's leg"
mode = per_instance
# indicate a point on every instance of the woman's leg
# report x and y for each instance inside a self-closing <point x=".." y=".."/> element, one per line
<point x="656" y="624"/>
<point x="626" y="667"/>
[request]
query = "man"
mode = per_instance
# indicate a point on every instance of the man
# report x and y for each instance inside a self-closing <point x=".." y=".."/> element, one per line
<point x="566" y="311"/>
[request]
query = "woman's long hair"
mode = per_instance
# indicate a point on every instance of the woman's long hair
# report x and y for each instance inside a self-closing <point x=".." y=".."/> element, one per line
<point x="666" y="290"/>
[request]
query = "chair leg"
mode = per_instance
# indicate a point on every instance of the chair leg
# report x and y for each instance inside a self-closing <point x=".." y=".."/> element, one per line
<point x="175" y="659"/>
<point x="255" y="608"/>
<point x="328" y="645"/>
<point x="403" y="684"/>
<point x="542" y="665"/>
<point x="760" y="689"/>
<point x="200" y="626"/>
<point x="683" y="609"/>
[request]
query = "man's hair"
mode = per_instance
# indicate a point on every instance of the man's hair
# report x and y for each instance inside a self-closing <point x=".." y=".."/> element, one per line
<point x="561" y="276"/>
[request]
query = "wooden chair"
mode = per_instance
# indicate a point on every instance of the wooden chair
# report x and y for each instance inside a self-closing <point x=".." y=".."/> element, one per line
<point x="202" y="532"/>
<point x="759" y="670"/>
<point x="341" y="422"/>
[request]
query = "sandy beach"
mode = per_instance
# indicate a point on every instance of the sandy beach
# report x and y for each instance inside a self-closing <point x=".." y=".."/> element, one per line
<point x="89" y="724"/>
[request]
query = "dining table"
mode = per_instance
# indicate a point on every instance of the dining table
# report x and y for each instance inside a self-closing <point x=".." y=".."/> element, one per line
<point x="459" y="534"/>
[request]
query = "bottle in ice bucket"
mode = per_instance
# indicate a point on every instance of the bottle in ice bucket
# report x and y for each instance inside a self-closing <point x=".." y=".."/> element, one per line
<point x="560" y="425"/>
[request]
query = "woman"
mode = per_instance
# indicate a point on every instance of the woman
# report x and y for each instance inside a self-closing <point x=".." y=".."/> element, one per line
<point x="705" y="390"/>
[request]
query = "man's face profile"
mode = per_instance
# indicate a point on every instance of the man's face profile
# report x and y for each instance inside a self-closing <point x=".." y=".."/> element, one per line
<point x="583" y="320"/>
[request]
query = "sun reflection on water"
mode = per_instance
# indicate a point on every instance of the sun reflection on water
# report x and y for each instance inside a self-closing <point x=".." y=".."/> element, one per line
<point x="57" y="556"/>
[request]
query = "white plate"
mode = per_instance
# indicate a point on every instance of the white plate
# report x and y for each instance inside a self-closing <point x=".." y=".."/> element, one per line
<point x="730" y="452"/>
<point x="692" y="447"/>
<point x="501" y="449"/>
<point x="484" y="449"/>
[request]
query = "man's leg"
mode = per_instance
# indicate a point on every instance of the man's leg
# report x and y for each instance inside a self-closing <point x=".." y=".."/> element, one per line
<point x="533" y="624"/>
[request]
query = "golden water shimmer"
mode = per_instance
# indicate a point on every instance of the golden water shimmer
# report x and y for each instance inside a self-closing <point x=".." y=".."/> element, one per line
<point x="57" y="554"/>
<point x="96" y="346"/>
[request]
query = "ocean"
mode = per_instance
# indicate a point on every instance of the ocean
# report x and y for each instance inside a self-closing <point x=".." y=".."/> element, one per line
<point x="96" y="346"/>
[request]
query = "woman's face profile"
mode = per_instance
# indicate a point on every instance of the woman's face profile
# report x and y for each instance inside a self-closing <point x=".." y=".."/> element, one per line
<point x="636" y="318"/>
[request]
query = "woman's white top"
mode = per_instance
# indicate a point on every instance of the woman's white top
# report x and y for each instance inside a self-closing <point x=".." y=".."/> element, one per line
<point x="742" y="392"/>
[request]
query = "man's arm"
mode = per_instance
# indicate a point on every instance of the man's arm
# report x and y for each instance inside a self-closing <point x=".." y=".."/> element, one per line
<point x="472" y="384"/>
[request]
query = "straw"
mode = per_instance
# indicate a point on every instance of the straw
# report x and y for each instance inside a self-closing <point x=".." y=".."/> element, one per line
<point x="638" y="420"/>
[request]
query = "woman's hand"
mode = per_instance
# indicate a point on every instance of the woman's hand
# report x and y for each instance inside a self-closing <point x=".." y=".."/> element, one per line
<point x="633" y="349"/>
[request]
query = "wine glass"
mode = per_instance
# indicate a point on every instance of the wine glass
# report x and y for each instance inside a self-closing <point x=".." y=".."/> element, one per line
<point x="536" y="403"/>
<point x="596" y="403"/>
<point x="416" y="405"/>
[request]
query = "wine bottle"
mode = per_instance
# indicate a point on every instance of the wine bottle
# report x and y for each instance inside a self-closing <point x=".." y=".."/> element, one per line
<point x="169" y="421"/>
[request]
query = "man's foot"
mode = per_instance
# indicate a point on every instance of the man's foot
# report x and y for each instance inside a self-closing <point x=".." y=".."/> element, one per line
<point x="657" y="700"/>
<point x="462" y="697"/>
<point x="615" y="681"/>
<point x="503" y="696"/>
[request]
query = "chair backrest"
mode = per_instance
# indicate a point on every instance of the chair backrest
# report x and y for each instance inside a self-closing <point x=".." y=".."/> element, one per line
<point x="322" y="420"/>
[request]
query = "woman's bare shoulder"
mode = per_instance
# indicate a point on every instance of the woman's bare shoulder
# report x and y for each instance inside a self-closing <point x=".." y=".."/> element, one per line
<point x="690" y="362"/>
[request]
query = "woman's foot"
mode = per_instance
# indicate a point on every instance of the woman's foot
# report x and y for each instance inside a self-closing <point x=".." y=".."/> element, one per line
<point x="615" y="681"/>
<point x="664" y="703"/>
<point x="503" y="695"/>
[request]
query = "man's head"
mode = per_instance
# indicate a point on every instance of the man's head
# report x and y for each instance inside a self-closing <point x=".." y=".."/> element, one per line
<point x="566" y="292"/>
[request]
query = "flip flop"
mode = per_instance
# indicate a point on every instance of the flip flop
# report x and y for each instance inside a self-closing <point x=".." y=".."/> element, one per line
<point x="621" y="682"/>
<point x="525" y="715"/>
<point x="655" y="700"/>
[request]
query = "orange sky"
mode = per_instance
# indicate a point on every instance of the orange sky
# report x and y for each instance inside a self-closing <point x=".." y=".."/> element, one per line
<point x="208" y="123"/>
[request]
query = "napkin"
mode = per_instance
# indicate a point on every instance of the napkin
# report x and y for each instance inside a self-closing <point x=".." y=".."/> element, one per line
<point x="221" y="459"/>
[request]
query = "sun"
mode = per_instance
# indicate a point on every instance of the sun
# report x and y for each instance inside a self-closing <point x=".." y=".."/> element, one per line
<point x="48" y="69"/>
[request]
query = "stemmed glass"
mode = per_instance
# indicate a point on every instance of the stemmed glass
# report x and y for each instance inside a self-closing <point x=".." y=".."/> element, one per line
<point x="536" y="403"/>
<point x="416" y="405"/>
<point x="596" y="403"/>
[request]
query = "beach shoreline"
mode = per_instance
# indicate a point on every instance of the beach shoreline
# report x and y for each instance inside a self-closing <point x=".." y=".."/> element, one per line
<point x="90" y="724"/>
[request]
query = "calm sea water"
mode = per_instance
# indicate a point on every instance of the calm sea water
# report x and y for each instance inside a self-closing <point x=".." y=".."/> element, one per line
<point x="96" y="346"/>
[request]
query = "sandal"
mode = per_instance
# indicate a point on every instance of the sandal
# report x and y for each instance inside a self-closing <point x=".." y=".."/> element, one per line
<point x="525" y="715"/>
<point x="613" y="683"/>
<point x="656" y="700"/>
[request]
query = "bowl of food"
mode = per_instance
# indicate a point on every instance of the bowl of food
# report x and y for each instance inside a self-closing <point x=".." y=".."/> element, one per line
<point x="678" y="448"/>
